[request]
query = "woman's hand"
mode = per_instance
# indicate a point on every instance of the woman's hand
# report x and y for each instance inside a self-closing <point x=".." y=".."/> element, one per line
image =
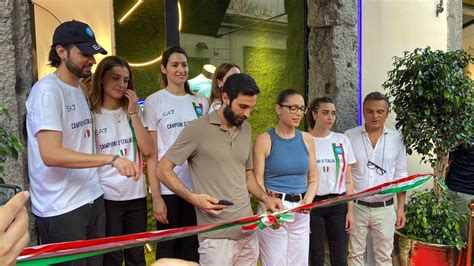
<point x="304" y="202"/>
<point x="160" y="211"/>
<point x="132" y="101"/>
<point x="272" y="204"/>
<point x="350" y="222"/>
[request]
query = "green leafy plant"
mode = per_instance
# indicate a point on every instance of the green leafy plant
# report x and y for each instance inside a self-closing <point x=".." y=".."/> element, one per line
<point x="433" y="98"/>
<point x="9" y="144"/>
<point x="431" y="220"/>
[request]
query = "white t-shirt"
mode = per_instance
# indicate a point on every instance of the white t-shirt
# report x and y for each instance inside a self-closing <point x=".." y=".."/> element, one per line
<point x="168" y="114"/>
<point x="215" y="106"/>
<point x="333" y="154"/>
<point x="54" y="105"/>
<point x="114" y="136"/>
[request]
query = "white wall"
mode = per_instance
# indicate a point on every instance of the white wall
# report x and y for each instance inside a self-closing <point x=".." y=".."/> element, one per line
<point x="98" y="14"/>
<point x="468" y="39"/>
<point x="390" y="27"/>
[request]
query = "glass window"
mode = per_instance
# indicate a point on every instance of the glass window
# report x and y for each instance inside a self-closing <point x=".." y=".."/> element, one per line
<point x="266" y="38"/>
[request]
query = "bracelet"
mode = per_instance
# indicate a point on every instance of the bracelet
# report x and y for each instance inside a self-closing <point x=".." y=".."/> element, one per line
<point x="111" y="163"/>
<point x="134" y="113"/>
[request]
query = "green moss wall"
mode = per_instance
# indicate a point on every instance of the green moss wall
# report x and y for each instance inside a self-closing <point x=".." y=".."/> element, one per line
<point x="261" y="63"/>
<point x="141" y="38"/>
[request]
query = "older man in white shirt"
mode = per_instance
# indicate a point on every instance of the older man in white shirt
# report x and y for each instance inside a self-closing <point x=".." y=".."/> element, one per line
<point x="381" y="157"/>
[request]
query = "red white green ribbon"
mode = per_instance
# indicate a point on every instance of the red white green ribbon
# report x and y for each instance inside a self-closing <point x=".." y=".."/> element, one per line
<point x="67" y="251"/>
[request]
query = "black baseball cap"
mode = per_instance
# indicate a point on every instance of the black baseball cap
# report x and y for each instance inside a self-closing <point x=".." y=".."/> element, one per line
<point x="79" y="34"/>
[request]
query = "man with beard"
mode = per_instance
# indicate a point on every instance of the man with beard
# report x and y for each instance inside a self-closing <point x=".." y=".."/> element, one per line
<point x="218" y="150"/>
<point x="65" y="192"/>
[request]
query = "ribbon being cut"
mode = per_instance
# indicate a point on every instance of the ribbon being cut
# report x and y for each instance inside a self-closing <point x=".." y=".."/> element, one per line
<point x="67" y="251"/>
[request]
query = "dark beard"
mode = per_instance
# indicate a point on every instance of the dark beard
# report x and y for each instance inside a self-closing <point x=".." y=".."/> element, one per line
<point x="232" y="118"/>
<point x="74" y="69"/>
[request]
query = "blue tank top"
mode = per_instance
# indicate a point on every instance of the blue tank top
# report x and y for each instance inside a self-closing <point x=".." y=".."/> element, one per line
<point x="287" y="165"/>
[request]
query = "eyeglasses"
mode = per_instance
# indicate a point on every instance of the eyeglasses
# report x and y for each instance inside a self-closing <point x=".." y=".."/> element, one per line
<point x="293" y="108"/>
<point x="371" y="165"/>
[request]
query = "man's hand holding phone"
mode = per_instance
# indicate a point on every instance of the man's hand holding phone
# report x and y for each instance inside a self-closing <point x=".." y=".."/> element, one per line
<point x="210" y="204"/>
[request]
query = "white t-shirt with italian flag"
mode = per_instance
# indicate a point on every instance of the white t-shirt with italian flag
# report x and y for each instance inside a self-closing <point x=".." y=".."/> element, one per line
<point x="114" y="136"/>
<point x="168" y="114"/>
<point x="333" y="154"/>
<point x="56" y="106"/>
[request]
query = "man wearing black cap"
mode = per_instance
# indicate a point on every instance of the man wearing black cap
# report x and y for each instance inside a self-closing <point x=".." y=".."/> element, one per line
<point x="218" y="148"/>
<point x="65" y="191"/>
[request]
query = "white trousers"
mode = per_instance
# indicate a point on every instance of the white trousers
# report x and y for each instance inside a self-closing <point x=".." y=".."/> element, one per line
<point x="288" y="245"/>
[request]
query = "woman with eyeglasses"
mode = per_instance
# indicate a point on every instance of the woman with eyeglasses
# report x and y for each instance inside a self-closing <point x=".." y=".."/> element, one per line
<point x="334" y="157"/>
<point x="285" y="166"/>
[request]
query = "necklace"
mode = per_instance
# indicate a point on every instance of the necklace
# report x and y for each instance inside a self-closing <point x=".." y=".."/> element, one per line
<point x="118" y="116"/>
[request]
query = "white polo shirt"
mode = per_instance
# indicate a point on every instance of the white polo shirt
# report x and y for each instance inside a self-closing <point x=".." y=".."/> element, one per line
<point x="389" y="153"/>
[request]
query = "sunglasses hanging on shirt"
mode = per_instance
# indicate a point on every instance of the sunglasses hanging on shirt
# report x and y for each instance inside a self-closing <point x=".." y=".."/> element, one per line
<point x="371" y="165"/>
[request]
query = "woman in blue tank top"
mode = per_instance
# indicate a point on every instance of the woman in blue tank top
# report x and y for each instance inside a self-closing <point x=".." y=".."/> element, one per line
<point x="285" y="166"/>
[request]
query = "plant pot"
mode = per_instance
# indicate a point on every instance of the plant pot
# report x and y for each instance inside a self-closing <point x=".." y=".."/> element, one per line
<point x="420" y="253"/>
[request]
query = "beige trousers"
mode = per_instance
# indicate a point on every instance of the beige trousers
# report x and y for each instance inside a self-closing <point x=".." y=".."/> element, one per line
<point x="214" y="251"/>
<point x="381" y="223"/>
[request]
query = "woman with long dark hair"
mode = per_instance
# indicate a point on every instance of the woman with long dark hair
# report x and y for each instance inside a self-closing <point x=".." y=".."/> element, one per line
<point x="223" y="71"/>
<point x="334" y="159"/>
<point x="167" y="112"/>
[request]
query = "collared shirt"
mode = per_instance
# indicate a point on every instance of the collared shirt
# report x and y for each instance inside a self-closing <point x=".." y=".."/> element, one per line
<point x="389" y="153"/>
<point x="217" y="161"/>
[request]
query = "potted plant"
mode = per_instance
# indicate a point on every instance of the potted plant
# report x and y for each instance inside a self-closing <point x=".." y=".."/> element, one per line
<point x="9" y="144"/>
<point x="433" y="98"/>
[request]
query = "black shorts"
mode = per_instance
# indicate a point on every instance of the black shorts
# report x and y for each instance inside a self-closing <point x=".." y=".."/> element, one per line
<point x="85" y="222"/>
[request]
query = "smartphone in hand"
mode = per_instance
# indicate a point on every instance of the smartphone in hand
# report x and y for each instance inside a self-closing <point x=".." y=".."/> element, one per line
<point x="7" y="192"/>
<point x="225" y="202"/>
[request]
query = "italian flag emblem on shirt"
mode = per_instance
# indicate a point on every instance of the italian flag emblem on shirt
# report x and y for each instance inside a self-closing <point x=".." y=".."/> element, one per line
<point x="123" y="152"/>
<point x="325" y="168"/>
<point x="340" y="158"/>
<point x="87" y="133"/>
